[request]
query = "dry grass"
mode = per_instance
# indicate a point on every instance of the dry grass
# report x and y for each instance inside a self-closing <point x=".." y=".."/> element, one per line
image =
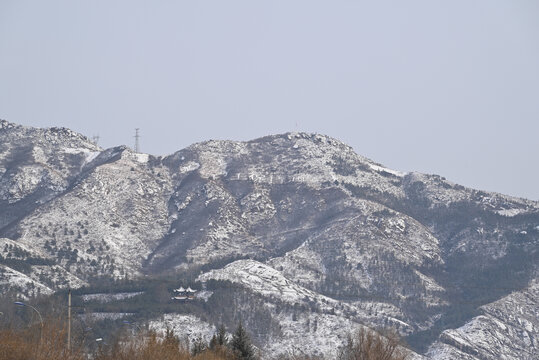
<point x="152" y="347"/>
<point x="51" y="344"/>
<point x="144" y="348"/>
<point x="38" y="344"/>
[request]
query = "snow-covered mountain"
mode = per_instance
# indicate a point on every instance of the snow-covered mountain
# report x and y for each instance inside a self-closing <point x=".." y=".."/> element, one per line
<point x="315" y="232"/>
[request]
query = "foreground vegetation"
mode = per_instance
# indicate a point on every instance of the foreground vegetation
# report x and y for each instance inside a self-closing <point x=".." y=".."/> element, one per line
<point x="49" y="341"/>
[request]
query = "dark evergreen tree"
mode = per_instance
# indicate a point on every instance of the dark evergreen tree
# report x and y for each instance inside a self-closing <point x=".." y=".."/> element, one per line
<point x="220" y="338"/>
<point x="241" y="344"/>
<point x="213" y="342"/>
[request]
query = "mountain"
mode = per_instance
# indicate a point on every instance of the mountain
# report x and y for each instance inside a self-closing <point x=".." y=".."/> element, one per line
<point x="315" y="239"/>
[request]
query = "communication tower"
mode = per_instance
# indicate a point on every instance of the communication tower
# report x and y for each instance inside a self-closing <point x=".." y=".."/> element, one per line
<point x="137" y="136"/>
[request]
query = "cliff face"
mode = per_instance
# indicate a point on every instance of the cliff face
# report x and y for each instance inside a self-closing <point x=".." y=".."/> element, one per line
<point x="296" y="218"/>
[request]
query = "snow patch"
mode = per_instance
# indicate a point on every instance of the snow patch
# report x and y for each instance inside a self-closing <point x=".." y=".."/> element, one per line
<point x="141" y="158"/>
<point x="104" y="298"/>
<point x="104" y="316"/>
<point x="190" y="166"/>
<point x="75" y="150"/>
<point x="90" y="156"/>
<point x="510" y="212"/>
<point x="379" y="168"/>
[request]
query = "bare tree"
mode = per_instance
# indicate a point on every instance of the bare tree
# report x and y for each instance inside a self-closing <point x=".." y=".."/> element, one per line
<point x="367" y="344"/>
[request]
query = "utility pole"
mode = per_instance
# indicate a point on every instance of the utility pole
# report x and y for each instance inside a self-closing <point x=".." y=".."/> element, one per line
<point x="69" y="320"/>
<point x="136" y="140"/>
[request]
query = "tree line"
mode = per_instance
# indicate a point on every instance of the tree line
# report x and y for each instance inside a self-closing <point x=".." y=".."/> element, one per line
<point x="48" y="341"/>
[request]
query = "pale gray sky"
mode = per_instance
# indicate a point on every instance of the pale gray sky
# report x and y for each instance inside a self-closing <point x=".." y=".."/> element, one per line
<point x="446" y="87"/>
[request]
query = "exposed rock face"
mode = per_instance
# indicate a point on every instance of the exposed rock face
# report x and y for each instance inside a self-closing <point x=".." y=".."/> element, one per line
<point x="298" y="220"/>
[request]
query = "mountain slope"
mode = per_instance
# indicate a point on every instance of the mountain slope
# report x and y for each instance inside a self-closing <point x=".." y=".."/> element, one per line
<point x="508" y="327"/>
<point x="301" y="213"/>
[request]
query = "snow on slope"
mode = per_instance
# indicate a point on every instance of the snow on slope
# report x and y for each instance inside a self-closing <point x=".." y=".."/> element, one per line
<point x="187" y="328"/>
<point x="313" y="335"/>
<point x="105" y="297"/>
<point x="441" y="193"/>
<point x="353" y="248"/>
<point x="310" y="159"/>
<point x="507" y="329"/>
<point x="266" y="281"/>
<point x="270" y="283"/>
<point x="113" y="217"/>
<point x="310" y="334"/>
<point x="44" y="278"/>
<point x="46" y="159"/>
<point x="13" y="279"/>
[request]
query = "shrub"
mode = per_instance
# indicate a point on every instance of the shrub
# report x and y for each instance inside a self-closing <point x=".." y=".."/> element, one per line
<point x="367" y="344"/>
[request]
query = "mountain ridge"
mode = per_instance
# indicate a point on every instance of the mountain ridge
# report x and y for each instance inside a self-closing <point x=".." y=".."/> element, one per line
<point x="403" y="250"/>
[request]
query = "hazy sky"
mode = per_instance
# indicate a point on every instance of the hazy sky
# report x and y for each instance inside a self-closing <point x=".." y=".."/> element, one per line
<point x="446" y="87"/>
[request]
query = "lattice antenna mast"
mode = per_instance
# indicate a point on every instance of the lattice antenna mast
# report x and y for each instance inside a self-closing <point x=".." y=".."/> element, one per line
<point x="137" y="137"/>
<point x="95" y="139"/>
